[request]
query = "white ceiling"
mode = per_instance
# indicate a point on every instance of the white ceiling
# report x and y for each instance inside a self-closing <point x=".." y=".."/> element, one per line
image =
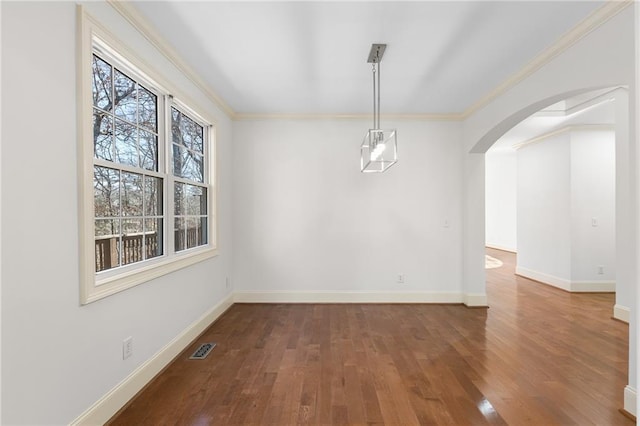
<point x="310" y="57"/>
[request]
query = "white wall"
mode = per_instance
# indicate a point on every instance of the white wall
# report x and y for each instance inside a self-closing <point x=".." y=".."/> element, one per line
<point x="500" y="195"/>
<point x="564" y="182"/>
<point x="0" y="222"/>
<point x="306" y="220"/>
<point x="593" y="175"/>
<point x="58" y="357"/>
<point x="634" y="355"/>
<point x="626" y="219"/>
<point x="544" y="207"/>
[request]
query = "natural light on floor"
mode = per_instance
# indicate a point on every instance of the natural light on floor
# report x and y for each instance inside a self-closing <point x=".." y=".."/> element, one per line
<point x="491" y="262"/>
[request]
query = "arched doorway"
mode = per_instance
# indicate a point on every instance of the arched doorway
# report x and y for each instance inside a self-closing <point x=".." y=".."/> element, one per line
<point x="555" y="173"/>
<point x="626" y="199"/>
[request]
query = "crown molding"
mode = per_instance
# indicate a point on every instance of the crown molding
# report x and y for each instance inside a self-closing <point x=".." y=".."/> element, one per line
<point x="565" y="129"/>
<point x="286" y="116"/>
<point x="131" y="14"/>
<point x="598" y="17"/>
<point x="607" y="96"/>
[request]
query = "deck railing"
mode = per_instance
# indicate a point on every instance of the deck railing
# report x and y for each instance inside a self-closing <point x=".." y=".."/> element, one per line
<point x="134" y="245"/>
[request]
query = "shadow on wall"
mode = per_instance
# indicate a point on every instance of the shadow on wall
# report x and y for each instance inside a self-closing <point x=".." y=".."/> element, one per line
<point x="483" y="145"/>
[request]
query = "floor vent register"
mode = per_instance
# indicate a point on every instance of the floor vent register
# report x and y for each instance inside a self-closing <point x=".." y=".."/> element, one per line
<point x="203" y="351"/>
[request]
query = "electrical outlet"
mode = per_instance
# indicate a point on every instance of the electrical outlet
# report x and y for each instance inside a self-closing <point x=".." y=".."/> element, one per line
<point x="594" y="222"/>
<point x="600" y="269"/>
<point x="127" y="347"/>
<point x="400" y="279"/>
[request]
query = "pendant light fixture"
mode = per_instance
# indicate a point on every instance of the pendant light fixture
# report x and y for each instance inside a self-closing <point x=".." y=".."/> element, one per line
<point x="379" y="149"/>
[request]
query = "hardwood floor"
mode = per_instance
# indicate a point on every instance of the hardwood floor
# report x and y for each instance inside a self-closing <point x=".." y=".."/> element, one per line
<point x="538" y="356"/>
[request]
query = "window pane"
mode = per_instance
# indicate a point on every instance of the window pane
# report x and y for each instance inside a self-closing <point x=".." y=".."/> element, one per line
<point x="126" y="95"/>
<point x="107" y="227"/>
<point x="101" y="84"/>
<point x="148" y="150"/>
<point x="195" y="200"/>
<point x="153" y="237"/>
<point x="107" y="244"/>
<point x="187" y="164"/>
<point x="102" y="135"/>
<point x="126" y="143"/>
<point x="194" y="232"/>
<point x="152" y="196"/>
<point x="179" y="237"/>
<point x="131" y="194"/>
<point x="106" y="189"/>
<point x="191" y="131"/>
<point x="197" y="170"/>
<point x="175" y="124"/>
<point x="198" y="144"/>
<point x="131" y="241"/>
<point x="186" y="132"/>
<point x="176" y="134"/>
<point x="147" y="109"/>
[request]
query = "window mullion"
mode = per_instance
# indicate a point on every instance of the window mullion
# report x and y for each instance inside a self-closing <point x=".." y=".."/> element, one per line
<point x="125" y="168"/>
<point x="190" y="182"/>
<point x="170" y="196"/>
<point x="120" y="221"/>
<point x="144" y="217"/>
<point x="112" y="114"/>
<point x="138" y="127"/>
<point x="205" y="152"/>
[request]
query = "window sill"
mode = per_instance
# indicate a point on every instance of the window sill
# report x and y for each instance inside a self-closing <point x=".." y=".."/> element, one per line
<point x="110" y="285"/>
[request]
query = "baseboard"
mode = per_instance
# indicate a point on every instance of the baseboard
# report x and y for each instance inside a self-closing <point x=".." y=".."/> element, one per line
<point x="593" y="286"/>
<point x="571" y="286"/>
<point x="475" y="300"/>
<point x="347" y="297"/>
<point x="630" y="400"/>
<point x="103" y="409"/>
<point x="544" y="278"/>
<point x="621" y="313"/>
<point x="501" y="248"/>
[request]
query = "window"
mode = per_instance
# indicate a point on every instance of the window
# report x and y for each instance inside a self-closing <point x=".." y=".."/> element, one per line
<point x="145" y="173"/>
<point x="190" y="193"/>
<point x="128" y="185"/>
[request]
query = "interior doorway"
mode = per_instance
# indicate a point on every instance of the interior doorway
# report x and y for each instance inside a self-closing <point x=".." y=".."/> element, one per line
<point x="550" y="193"/>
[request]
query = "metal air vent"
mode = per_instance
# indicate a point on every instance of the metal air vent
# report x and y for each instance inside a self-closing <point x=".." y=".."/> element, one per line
<point x="203" y="351"/>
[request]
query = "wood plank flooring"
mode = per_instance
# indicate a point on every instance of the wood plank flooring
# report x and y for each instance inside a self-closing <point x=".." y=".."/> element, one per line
<point x="538" y="356"/>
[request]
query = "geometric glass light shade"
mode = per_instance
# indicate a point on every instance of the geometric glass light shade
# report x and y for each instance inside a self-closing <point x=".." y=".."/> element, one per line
<point x="379" y="150"/>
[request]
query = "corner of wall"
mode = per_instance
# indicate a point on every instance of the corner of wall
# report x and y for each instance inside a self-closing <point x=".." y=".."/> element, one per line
<point x="621" y="313"/>
<point x="630" y="400"/>
<point x="107" y="406"/>
<point x="475" y="300"/>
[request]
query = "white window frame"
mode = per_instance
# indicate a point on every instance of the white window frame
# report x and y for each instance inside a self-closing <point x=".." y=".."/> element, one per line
<point x="94" y="286"/>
